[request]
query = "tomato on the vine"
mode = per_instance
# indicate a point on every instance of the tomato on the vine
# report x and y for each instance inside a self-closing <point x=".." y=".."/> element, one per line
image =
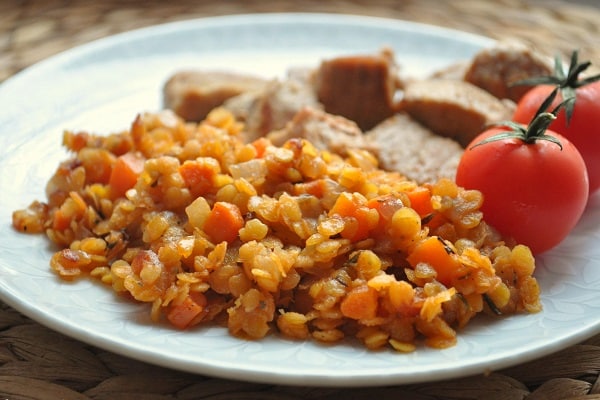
<point x="534" y="181"/>
<point x="580" y="123"/>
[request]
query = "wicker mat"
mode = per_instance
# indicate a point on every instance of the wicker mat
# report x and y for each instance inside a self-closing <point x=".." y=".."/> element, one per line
<point x="38" y="363"/>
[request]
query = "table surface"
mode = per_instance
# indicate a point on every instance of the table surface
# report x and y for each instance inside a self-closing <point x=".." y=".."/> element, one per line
<point x="34" y="30"/>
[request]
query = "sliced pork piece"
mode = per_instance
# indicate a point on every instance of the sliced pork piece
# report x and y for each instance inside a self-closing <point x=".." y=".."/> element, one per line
<point x="408" y="147"/>
<point x="455" y="109"/>
<point x="325" y="131"/>
<point x="241" y="105"/>
<point x="360" y="88"/>
<point x="274" y="106"/>
<point x="497" y="68"/>
<point x="192" y="94"/>
<point x="454" y="71"/>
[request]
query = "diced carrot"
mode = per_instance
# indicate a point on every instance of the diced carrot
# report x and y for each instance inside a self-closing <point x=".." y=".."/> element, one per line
<point x="224" y="222"/>
<point x="316" y="188"/>
<point x="353" y="206"/>
<point x="376" y="203"/>
<point x="261" y="145"/>
<point x="344" y="206"/>
<point x="360" y="303"/>
<point x="367" y="220"/>
<point x="125" y="173"/>
<point x="420" y="200"/>
<point x="181" y="315"/>
<point x="60" y="221"/>
<point x="434" y="220"/>
<point x="435" y="253"/>
<point x="199" y="175"/>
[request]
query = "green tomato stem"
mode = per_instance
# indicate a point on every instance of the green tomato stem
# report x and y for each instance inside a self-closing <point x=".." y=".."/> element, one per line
<point x="565" y="81"/>
<point x="538" y="127"/>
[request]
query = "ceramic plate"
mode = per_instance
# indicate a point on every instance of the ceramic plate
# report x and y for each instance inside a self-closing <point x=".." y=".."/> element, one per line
<point x="101" y="86"/>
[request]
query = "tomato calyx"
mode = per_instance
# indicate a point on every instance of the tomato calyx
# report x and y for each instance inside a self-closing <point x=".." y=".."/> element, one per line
<point x="565" y="81"/>
<point x="536" y="130"/>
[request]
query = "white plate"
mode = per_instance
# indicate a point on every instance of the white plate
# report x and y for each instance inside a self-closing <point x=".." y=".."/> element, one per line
<point x="101" y="86"/>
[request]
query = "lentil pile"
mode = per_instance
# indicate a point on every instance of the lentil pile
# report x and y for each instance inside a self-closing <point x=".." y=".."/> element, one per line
<point x="206" y="228"/>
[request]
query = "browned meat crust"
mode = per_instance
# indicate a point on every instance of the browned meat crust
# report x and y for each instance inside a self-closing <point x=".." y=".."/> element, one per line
<point x="325" y="131"/>
<point x="360" y="88"/>
<point x="271" y="108"/>
<point x="408" y="147"/>
<point x="497" y="68"/>
<point x="455" y="109"/>
<point x="192" y="94"/>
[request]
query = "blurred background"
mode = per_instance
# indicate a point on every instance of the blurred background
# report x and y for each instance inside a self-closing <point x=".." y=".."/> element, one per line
<point x="36" y="29"/>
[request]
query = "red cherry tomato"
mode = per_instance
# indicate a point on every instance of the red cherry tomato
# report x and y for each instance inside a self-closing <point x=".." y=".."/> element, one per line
<point x="583" y="129"/>
<point x="580" y="120"/>
<point x="534" y="191"/>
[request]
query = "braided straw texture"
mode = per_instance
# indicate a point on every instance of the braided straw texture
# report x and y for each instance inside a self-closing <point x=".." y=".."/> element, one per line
<point x="37" y="363"/>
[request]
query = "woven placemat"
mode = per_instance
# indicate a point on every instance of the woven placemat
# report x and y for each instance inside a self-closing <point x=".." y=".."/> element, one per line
<point x="38" y="363"/>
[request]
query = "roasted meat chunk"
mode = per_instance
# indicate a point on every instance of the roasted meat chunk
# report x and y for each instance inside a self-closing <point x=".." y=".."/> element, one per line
<point x="192" y="94"/>
<point x="325" y="131"/>
<point x="408" y="147"/>
<point x="360" y="88"/>
<point x="455" y="109"/>
<point x="272" y="107"/>
<point x="496" y="69"/>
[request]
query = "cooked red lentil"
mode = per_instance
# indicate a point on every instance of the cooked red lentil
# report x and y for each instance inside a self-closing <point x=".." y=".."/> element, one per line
<point x="209" y="229"/>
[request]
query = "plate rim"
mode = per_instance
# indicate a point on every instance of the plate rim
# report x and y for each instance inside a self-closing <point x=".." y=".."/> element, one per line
<point x="257" y="376"/>
<point x="245" y="18"/>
